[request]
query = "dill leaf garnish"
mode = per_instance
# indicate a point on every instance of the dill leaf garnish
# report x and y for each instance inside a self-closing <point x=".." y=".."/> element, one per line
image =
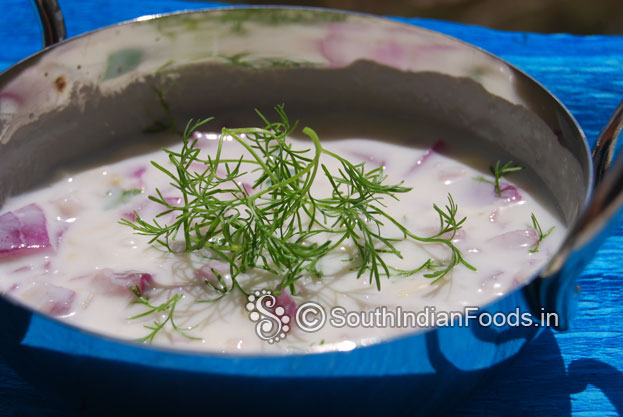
<point x="499" y="172"/>
<point x="167" y="306"/>
<point x="273" y="227"/>
<point x="540" y="234"/>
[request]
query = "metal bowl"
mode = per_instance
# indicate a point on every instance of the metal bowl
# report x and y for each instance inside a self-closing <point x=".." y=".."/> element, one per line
<point x="102" y="89"/>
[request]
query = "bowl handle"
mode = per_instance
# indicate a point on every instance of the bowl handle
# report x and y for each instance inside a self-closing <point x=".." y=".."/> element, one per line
<point x="52" y="21"/>
<point x="606" y="143"/>
<point x="556" y="289"/>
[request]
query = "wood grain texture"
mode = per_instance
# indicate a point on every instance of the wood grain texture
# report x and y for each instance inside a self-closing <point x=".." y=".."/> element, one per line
<point x="576" y="373"/>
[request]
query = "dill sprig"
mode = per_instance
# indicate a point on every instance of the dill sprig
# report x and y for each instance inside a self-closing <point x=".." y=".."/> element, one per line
<point x="539" y="231"/>
<point x="168" y="305"/>
<point x="273" y="228"/>
<point x="499" y="172"/>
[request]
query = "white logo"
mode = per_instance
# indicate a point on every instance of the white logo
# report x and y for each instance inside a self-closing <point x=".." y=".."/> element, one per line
<point x="310" y="317"/>
<point x="272" y="322"/>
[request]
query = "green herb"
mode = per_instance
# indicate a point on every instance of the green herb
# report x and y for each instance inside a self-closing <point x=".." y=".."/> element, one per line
<point x="167" y="109"/>
<point x="164" y="66"/>
<point x="127" y="195"/>
<point x="120" y="197"/>
<point x="272" y="228"/>
<point x="159" y="125"/>
<point x="168" y="305"/>
<point x="238" y="20"/>
<point x="243" y="60"/>
<point x="122" y="61"/>
<point x="499" y="172"/>
<point x="539" y="232"/>
<point x="276" y="17"/>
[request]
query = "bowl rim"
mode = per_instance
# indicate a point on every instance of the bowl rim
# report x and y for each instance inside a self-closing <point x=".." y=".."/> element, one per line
<point x="17" y="68"/>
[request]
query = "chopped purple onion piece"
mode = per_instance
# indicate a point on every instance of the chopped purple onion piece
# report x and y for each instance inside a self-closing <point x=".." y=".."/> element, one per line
<point x="23" y="231"/>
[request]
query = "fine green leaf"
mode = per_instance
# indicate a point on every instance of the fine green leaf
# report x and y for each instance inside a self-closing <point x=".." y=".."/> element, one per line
<point x="540" y="234"/>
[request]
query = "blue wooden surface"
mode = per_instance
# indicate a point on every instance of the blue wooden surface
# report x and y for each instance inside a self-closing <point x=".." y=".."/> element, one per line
<point x="576" y="373"/>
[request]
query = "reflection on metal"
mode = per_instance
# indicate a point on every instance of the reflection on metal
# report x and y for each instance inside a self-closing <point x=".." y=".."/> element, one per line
<point x="557" y="290"/>
<point x="606" y="143"/>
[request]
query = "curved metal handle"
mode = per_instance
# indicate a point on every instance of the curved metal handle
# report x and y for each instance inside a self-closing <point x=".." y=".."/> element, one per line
<point x="606" y="142"/>
<point x="556" y="289"/>
<point x="52" y="21"/>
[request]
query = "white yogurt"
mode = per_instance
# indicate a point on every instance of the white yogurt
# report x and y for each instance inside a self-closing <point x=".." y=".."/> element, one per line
<point x="89" y="247"/>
